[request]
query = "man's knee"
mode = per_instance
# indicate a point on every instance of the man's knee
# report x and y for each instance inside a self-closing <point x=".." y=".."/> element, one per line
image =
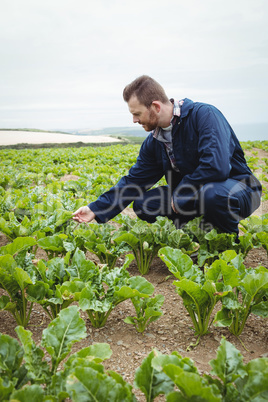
<point x="137" y="206"/>
<point x="209" y="198"/>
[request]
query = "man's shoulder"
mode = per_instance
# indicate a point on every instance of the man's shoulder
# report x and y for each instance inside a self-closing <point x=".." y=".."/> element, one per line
<point x="196" y="108"/>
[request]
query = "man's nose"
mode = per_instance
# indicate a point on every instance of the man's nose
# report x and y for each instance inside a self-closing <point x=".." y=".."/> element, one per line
<point x="135" y="119"/>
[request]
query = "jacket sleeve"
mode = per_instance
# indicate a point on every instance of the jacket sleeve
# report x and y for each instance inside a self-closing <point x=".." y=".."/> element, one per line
<point x="215" y="149"/>
<point x="142" y="176"/>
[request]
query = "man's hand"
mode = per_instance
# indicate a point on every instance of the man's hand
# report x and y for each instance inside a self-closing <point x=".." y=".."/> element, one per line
<point x="83" y="214"/>
<point x="173" y="207"/>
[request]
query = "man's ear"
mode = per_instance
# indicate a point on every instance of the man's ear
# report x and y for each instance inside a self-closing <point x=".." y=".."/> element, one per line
<point x="157" y="106"/>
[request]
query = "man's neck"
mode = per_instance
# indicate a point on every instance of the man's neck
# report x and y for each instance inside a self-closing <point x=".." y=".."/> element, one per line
<point x="166" y="115"/>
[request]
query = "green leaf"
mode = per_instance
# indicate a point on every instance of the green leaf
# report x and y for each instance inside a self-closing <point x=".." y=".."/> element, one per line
<point x="80" y="267"/>
<point x="228" y="365"/>
<point x="52" y="243"/>
<point x="4" y="228"/>
<point x="128" y="259"/>
<point x="126" y="237"/>
<point x="192" y="386"/>
<point x="22" y="278"/>
<point x="98" y="352"/>
<point x="150" y="381"/>
<point x="141" y="284"/>
<point x="160" y="360"/>
<point x="33" y="356"/>
<point x="252" y="283"/>
<point x="230" y="275"/>
<point x="6" y="388"/>
<point x="33" y="393"/>
<point x="19" y="244"/>
<point x="261" y="309"/>
<point x="223" y="318"/>
<point x="254" y="386"/>
<point x="194" y="290"/>
<point x="11" y="355"/>
<point x="62" y="332"/>
<point x="87" y="384"/>
<point x="180" y="264"/>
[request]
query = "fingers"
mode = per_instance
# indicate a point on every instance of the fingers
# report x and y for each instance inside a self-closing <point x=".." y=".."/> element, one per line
<point x="173" y="206"/>
<point x="81" y="210"/>
<point x="83" y="214"/>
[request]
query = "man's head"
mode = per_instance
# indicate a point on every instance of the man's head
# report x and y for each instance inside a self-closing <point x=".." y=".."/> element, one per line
<point x="148" y="103"/>
<point x="146" y="89"/>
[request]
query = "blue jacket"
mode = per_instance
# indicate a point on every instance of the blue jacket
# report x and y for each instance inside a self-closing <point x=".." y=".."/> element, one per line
<point x="206" y="150"/>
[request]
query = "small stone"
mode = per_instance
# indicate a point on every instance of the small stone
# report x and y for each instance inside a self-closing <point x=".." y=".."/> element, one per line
<point x="264" y="355"/>
<point x="119" y="343"/>
<point x="175" y="332"/>
<point x="150" y="335"/>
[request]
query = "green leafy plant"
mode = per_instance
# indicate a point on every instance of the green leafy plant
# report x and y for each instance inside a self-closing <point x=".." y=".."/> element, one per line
<point x="15" y="280"/>
<point x="247" y="292"/>
<point x="254" y="224"/>
<point x="109" y="288"/>
<point x="197" y="289"/>
<point x="12" y="227"/>
<point x="53" y="245"/>
<point x="212" y="242"/>
<point x="145" y="240"/>
<point x="44" y="380"/>
<point x="229" y="380"/>
<point x="47" y="287"/>
<point x="98" y="240"/>
<point x="147" y="311"/>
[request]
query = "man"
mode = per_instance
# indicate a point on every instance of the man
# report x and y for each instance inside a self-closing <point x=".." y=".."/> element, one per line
<point x="194" y="147"/>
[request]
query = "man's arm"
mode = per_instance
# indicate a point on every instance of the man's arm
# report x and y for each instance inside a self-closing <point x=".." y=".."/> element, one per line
<point x="143" y="175"/>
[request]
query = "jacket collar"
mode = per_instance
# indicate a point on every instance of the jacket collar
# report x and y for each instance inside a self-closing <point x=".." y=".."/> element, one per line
<point x="188" y="104"/>
<point x="181" y="110"/>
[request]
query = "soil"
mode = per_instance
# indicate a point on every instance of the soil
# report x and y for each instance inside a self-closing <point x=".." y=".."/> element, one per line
<point x="173" y="331"/>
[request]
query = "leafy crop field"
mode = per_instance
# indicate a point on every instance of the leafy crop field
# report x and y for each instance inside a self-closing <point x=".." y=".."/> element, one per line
<point x="125" y="310"/>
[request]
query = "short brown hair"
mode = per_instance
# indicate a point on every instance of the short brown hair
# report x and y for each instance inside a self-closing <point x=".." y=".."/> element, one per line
<point x="146" y="89"/>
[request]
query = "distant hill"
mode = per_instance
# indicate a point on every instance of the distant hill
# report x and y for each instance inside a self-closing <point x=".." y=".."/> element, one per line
<point x="121" y="131"/>
<point x="244" y="132"/>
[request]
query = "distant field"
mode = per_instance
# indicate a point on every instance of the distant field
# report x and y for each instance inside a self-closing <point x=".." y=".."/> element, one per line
<point x="25" y="137"/>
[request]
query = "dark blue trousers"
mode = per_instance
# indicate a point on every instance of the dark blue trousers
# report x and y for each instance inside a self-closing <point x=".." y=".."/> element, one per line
<point x="223" y="204"/>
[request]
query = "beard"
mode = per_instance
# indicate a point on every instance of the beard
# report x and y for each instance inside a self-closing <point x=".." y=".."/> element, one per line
<point x="152" y="121"/>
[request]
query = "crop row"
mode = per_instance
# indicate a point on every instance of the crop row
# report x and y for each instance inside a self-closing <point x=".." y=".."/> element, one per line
<point x="67" y="275"/>
<point x="208" y="269"/>
<point x="27" y="376"/>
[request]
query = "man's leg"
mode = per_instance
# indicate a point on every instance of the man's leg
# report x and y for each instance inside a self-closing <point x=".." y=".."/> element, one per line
<point x="223" y="204"/>
<point x="157" y="202"/>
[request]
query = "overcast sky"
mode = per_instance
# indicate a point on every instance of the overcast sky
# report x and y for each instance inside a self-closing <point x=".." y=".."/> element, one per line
<point x="64" y="63"/>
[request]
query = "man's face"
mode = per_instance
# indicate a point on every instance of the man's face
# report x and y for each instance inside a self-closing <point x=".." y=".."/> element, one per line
<point x="147" y="117"/>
